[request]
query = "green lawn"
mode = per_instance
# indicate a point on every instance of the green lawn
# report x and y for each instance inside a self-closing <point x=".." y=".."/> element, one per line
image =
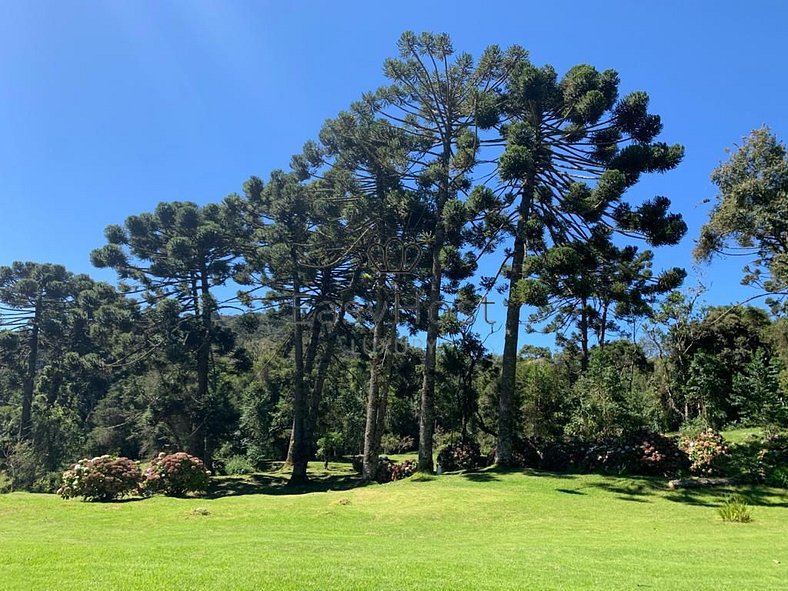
<point x="475" y="532"/>
<point x="741" y="434"/>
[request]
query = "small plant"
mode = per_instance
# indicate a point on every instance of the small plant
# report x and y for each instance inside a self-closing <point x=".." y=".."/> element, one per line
<point x="176" y="474"/>
<point x="735" y="509"/>
<point x="101" y="479"/>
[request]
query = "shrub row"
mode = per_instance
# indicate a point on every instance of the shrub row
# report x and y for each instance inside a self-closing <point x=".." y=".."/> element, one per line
<point x="642" y="453"/>
<point x="106" y="478"/>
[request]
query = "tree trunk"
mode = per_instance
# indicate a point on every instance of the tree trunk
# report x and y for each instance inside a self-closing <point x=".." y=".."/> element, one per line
<point x="26" y="422"/>
<point x="584" y="334"/>
<point x="327" y="354"/>
<point x="311" y="353"/>
<point x="384" y="389"/>
<point x="201" y="444"/>
<point x="504" y="448"/>
<point x="300" y="448"/>
<point x="371" y="440"/>
<point x="427" y="415"/>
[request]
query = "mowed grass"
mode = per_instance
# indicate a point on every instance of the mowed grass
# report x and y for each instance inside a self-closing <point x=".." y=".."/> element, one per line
<point x="476" y="531"/>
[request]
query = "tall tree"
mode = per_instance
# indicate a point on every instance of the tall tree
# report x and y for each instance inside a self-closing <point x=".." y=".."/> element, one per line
<point x="174" y="257"/>
<point x="571" y="150"/>
<point x="435" y="96"/>
<point x="34" y="300"/>
<point x="359" y="165"/>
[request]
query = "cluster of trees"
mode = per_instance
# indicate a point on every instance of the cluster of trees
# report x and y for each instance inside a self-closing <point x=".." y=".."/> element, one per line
<point x="375" y="233"/>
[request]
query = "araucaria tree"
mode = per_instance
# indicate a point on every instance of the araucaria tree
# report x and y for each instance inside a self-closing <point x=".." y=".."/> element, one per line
<point x="34" y="303"/>
<point x="174" y="257"/>
<point x="572" y="148"/>
<point x="435" y="95"/>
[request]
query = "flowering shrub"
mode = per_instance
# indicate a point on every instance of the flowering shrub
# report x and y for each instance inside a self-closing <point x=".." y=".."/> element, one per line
<point x="460" y="455"/>
<point x="401" y="470"/>
<point x="176" y="474"/>
<point x="389" y="470"/>
<point x="101" y="479"/>
<point x="660" y="456"/>
<point x="707" y="452"/>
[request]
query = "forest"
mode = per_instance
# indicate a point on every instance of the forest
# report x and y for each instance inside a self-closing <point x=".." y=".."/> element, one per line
<point x="338" y="308"/>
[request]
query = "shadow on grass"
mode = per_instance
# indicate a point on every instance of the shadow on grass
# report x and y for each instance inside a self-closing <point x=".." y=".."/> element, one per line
<point x="480" y="476"/>
<point x="639" y="489"/>
<point x="715" y="496"/>
<point x="570" y="491"/>
<point x="277" y="484"/>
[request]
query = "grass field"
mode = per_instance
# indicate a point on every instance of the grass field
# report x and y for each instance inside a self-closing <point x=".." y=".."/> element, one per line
<point x="475" y="531"/>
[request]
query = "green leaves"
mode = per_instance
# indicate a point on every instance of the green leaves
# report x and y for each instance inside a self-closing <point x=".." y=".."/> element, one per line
<point x="750" y="210"/>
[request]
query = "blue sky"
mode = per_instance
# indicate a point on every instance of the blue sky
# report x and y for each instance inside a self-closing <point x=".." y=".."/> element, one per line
<point x="109" y="107"/>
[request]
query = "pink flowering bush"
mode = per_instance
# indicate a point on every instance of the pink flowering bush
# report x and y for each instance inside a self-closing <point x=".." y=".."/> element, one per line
<point x="389" y="470"/>
<point x="707" y="452"/>
<point x="400" y="470"/>
<point x="101" y="479"/>
<point x="176" y="474"/>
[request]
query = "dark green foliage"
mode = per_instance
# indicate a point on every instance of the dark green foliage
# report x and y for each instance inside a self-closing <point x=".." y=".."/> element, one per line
<point x="757" y="394"/>
<point x="761" y="459"/>
<point x="461" y="455"/>
<point x="606" y="400"/>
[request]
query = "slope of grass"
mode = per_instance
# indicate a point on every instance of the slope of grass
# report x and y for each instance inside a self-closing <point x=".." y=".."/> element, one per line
<point x="741" y="434"/>
<point x="476" y="531"/>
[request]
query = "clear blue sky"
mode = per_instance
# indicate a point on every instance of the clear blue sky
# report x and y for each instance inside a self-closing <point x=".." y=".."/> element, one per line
<point x="109" y="107"/>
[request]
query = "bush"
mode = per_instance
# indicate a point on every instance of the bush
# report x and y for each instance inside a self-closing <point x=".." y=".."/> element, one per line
<point x="461" y="455"/>
<point x="101" y="479"/>
<point x="400" y="470"/>
<point x="707" y="452"/>
<point x="48" y="483"/>
<point x="778" y="477"/>
<point x="236" y="465"/>
<point x="762" y="459"/>
<point x="358" y="463"/>
<point x="389" y="470"/>
<point x="392" y="444"/>
<point x="735" y="508"/>
<point x="659" y="455"/>
<point x="176" y="474"/>
<point x="643" y="453"/>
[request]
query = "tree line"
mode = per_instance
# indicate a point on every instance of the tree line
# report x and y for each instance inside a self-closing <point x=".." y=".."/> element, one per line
<point x="275" y="323"/>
